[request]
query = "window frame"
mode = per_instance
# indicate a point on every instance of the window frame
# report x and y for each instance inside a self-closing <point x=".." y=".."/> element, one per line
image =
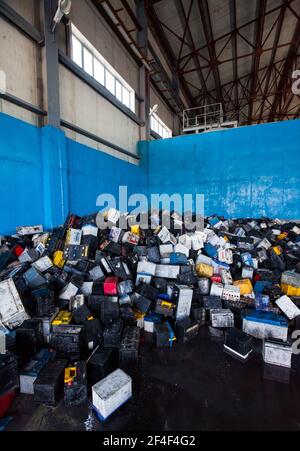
<point x="85" y="44"/>
<point x="157" y="125"/>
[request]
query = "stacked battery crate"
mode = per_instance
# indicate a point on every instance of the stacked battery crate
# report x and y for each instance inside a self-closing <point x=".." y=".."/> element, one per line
<point x="77" y="302"/>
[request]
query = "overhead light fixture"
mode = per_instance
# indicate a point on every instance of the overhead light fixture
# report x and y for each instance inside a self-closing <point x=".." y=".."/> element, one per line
<point x="63" y="9"/>
<point x="153" y="110"/>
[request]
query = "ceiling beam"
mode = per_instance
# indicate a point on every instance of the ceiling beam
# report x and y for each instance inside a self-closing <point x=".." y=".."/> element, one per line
<point x="160" y="35"/>
<point x="233" y="23"/>
<point x="259" y="31"/>
<point x="274" y="51"/>
<point x="182" y="15"/>
<point x="286" y="76"/>
<point x="208" y="32"/>
<point x="236" y="30"/>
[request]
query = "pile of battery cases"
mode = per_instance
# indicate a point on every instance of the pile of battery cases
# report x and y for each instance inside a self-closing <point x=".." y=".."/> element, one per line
<point x="77" y="302"/>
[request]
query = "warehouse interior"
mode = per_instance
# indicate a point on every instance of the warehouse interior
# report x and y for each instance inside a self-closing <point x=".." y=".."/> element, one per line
<point x="196" y="97"/>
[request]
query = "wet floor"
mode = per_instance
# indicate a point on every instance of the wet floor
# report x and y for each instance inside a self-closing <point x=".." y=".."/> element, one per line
<point x="190" y="387"/>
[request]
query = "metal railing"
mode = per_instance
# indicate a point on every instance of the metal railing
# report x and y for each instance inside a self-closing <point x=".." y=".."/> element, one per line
<point x="205" y="118"/>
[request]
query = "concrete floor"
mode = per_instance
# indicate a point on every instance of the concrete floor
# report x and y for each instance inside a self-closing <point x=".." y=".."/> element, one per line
<point x="191" y="387"/>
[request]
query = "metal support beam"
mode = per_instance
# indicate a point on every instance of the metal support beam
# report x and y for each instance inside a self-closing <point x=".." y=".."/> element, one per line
<point x="208" y="32"/>
<point x="233" y="22"/>
<point x="258" y="33"/>
<point x="144" y="77"/>
<point x="163" y="41"/>
<point x="52" y="65"/>
<point x="23" y="104"/>
<point x="185" y="23"/>
<point x="287" y="71"/>
<point x="273" y="55"/>
<point x="19" y="22"/>
<point x="96" y="138"/>
<point x="97" y="87"/>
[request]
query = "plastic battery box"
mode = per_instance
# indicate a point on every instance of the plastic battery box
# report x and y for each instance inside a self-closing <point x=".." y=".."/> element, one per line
<point x="100" y="364"/>
<point x="276" y="352"/>
<point x="9" y="378"/>
<point x="75" y="384"/>
<point x="187" y="277"/>
<point x="112" y="334"/>
<point x="149" y="322"/>
<point x="12" y="312"/>
<point x="164" y="335"/>
<point x="68" y="341"/>
<point x="129" y="349"/>
<point x="186" y="329"/>
<point x="44" y="301"/>
<point x="49" y="385"/>
<point x="63" y="318"/>
<point x="221" y="318"/>
<point x="244" y="285"/>
<point x="148" y="292"/>
<point x="127" y="314"/>
<point x="2" y="342"/>
<point x="29" y="339"/>
<point x="204" y="270"/>
<point x="109" y="312"/>
<point x="30" y="372"/>
<point x="212" y="302"/>
<point x="111" y="393"/>
<point x="93" y="333"/>
<point x="111" y="286"/>
<point x="76" y="252"/>
<point x="165" y="307"/>
<point x="238" y="344"/>
<point x="290" y="283"/>
<point x="266" y="325"/>
<point x="47" y="324"/>
<point x="81" y="314"/>
<point x="231" y="293"/>
<point x="182" y="296"/>
<point x="288" y="307"/>
<point x="204" y="286"/>
<point x="198" y="313"/>
<point x="141" y="303"/>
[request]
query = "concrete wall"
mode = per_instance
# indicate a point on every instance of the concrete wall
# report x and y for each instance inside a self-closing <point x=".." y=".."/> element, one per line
<point x="19" y="59"/>
<point x="245" y="172"/>
<point x="80" y="104"/>
<point x="164" y="112"/>
<point x="23" y="62"/>
<point x="45" y="175"/>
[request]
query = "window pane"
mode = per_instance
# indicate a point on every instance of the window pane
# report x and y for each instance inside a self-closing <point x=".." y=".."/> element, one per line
<point x="110" y="82"/>
<point x="126" y="97"/>
<point x="98" y="71"/>
<point x="161" y="130"/>
<point x="152" y="123"/>
<point x="118" y="90"/>
<point x="76" y="51"/>
<point x="88" y="61"/>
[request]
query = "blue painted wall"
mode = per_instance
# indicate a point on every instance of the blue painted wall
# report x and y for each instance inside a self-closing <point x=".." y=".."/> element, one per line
<point x="245" y="172"/>
<point x="91" y="173"/>
<point x="44" y="176"/>
<point x="21" y="187"/>
<point x="251" y="171"/>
